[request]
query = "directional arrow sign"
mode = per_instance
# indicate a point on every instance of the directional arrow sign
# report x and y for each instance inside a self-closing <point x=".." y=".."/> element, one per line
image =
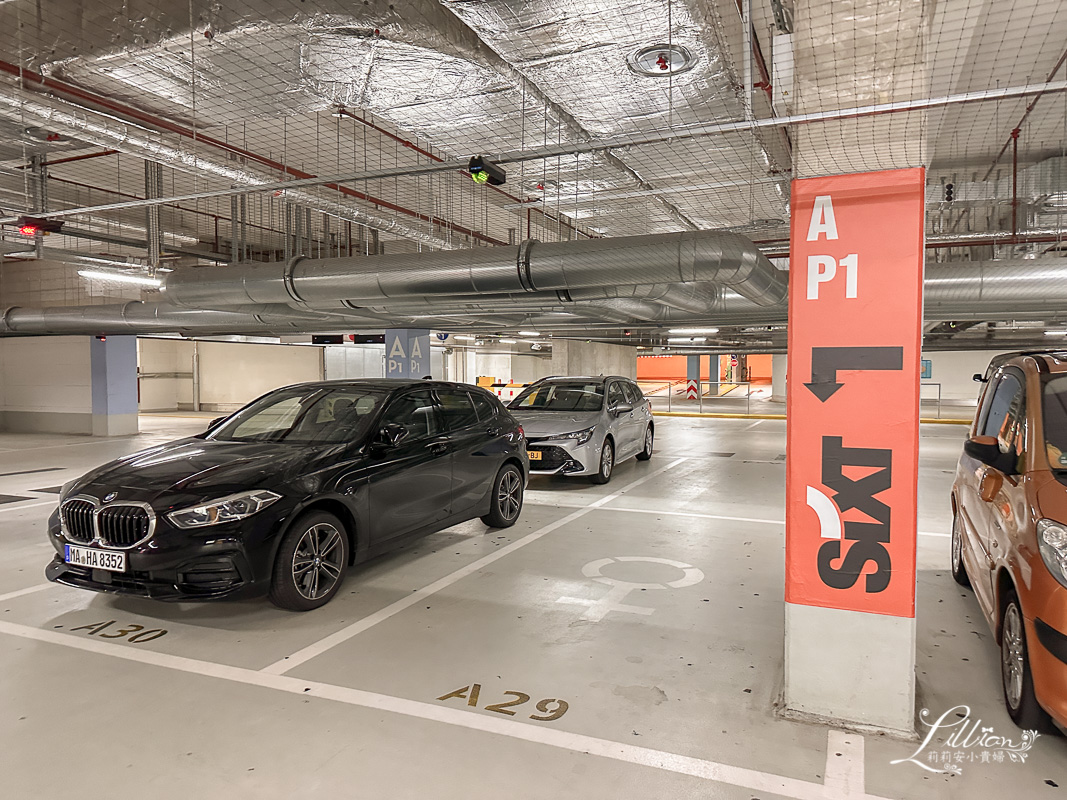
<point x="826" y="361"/>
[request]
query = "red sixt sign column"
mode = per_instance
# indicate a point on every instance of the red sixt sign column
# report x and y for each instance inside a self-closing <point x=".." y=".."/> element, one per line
<point x="855" y="326"/>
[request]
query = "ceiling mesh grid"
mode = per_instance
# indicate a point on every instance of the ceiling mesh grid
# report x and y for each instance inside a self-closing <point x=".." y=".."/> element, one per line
<point x="457" y="77"/>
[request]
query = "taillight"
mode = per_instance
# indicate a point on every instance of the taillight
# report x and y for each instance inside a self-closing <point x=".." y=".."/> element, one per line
<point x="522" y="433"/>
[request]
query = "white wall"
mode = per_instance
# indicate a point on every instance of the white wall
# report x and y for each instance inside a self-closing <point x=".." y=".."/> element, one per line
<point x="170" y="360"/>
<point x="232" y="374"/>
<point x="953" y="370"/>
<point x="354" y="361"/>
<point x="527" y="369"/>
<point x="46" y="374"/>
<point x="46" y="384"/>
<point x="593" y="358"/>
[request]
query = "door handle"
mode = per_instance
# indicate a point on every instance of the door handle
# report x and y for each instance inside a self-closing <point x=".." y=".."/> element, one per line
<point x="437" y="447"/>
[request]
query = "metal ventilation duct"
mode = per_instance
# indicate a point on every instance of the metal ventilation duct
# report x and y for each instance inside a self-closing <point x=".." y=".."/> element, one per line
<point x="691" y="257"/>
<point x="22" y="106"/>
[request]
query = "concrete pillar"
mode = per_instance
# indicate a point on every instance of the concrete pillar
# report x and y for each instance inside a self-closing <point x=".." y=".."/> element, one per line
<point x="113" y="369"/>
<point x="779" y="363"/>
<point x="593" y="358"/>
<point x="407" y="353"/>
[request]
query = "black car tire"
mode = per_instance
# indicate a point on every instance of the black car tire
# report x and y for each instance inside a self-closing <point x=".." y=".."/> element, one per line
<point x="959" y="569"/>
<point x="646" y="453"/>
<point x="505" y="503"/>
<point x="1016" y="679"/>
<point x="313" y="550"/>
<point x="607" y="463"/>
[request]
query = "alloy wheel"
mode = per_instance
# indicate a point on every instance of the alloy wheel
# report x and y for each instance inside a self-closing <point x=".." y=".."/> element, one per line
<point x="509" y="495"/>
<point x="1013" y="655"/>
<point x="607" y="460"/>
<point x="648" y="440"/>
<point x="318" y="561"/>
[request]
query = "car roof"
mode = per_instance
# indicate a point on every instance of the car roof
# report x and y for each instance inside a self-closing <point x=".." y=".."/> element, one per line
<point x="594" y="378"/>
<point x="386" y="384"/>
<point x="1054" y="360"/>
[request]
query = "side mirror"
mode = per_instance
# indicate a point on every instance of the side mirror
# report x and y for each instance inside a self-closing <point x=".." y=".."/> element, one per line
<point x="215" y="422"/>
<point x="391" y="435"/>
<point x="986" y="450"/>
<point x="623" y="408"/>
<point x="978" y="377"/>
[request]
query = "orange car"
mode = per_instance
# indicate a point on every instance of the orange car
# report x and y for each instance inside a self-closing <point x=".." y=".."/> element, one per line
<point x="1009" y="529"/>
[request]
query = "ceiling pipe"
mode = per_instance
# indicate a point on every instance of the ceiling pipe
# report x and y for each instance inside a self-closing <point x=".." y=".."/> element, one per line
<point x="713" y="257"/>
<point x="19" y="106"/>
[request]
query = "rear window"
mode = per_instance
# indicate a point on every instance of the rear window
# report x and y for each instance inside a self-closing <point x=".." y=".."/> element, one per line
<point x="486" y="406"/>
<point x="560" y="396"/>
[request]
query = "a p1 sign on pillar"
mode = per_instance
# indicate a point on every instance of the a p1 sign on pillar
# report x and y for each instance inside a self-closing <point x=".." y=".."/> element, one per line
<point x="855" y="326"/>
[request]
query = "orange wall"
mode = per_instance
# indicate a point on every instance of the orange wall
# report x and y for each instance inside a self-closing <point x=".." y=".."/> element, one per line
<point x="664" y="368"/>
<point x="759" y="367"/>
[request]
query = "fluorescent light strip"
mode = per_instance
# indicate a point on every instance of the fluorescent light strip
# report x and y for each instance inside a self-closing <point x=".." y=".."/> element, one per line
<point x="696" y="331"/>
<point x="507" y="341"/>
<point x="464" y="338"/>
<point x="529" y="333"/>
<point x="687" y="341"/>
<point x="119" y="277"/>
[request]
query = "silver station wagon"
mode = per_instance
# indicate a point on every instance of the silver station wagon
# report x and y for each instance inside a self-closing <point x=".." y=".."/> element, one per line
<point x="584" y="426"/>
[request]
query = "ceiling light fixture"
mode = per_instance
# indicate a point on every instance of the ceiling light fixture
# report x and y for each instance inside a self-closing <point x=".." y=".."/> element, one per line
<point x="686" y="341"/>
<point x="120" y="277"/>
<point x="529" y="333"/>
<point x="507" y="341"/>
<point x="694" y="331"/>
<point x="464" y="338"/>
<point x="1055" y="333"/>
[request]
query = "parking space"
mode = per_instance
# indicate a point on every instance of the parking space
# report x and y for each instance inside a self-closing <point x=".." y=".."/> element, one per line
<point x="620" y="640"/>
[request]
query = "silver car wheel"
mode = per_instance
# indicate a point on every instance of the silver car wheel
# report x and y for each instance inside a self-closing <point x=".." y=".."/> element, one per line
<point x="607" y="460"/>
<point x="957" y="543"/>
<point x="1012" y="655"/>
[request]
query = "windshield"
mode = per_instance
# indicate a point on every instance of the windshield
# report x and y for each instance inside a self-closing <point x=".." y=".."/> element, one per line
<point x="560" y="396"/>
<point x="1054" y="406"/>
<point x="304" y="416"/>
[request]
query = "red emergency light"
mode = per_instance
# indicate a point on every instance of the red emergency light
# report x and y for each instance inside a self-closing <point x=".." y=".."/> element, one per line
<point x="28" y="230"/>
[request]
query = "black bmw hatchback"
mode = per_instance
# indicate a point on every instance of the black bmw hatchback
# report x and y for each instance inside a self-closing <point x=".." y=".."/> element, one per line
<point x="282" y="496"/>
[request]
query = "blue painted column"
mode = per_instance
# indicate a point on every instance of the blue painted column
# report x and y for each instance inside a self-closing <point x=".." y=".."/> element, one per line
<point x="407" y="352"/>
<point x="113" y="364"/>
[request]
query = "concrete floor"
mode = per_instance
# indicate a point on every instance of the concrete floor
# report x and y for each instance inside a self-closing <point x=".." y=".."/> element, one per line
<point x="671" y="692"/>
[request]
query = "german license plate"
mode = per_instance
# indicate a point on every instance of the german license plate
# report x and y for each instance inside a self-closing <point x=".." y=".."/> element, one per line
<point x="535" y="455"/>
<point x="111" y="560"/>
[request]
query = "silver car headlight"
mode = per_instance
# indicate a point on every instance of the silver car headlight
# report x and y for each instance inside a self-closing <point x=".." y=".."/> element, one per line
<point x="1052" y="539"/>
<point x="579" y="436"/>
<point x="225" y="509"/>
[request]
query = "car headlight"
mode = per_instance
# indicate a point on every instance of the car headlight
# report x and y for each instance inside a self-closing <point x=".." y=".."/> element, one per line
<point x="225" y="509"/>
<point x="1052" y="539"/>
<point x="580" y="436"/>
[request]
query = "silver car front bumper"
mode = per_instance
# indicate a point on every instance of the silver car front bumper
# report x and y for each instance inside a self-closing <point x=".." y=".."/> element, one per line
<point x="565" y="457"/>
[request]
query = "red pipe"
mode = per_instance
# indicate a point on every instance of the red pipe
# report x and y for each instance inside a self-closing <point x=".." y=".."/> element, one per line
<point x="68" y="159"/>
<point x="28" y="76"/>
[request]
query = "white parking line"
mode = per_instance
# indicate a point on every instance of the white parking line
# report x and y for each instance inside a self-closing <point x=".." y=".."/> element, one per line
<point x="21" y="592"/>
<point x="694" y="515"/>
<point x="21" y="506"/>
<point x="753" y="425"/>
<point x="283" y="665"/>
<point x="750" y="779"/>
